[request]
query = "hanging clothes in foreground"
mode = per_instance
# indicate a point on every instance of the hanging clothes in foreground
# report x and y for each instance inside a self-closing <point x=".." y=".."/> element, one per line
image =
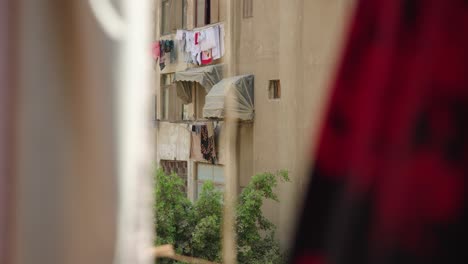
<point x="389" y="183"/>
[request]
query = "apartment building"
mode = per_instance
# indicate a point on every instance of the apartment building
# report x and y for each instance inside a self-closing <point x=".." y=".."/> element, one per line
<point x="280" y="55"/>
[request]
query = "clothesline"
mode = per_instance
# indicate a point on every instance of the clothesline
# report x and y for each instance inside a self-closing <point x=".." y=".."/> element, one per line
<point x="205" y="27"/>
<point x="171" y="36"/>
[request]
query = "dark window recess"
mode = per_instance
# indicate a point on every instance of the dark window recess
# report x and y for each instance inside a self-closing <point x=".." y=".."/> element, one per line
<point x="247" y="8"/>
<point x="206" y="12"/>
<point x="176" y="166"/>
<point x="274" y="89"/>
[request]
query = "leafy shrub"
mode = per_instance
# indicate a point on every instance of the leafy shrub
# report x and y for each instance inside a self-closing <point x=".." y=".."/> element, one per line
<point x="206" y="236"/>
<point x="255" y="233"/>
<point x="173" y="213"/>
<point x="195" y="229"/>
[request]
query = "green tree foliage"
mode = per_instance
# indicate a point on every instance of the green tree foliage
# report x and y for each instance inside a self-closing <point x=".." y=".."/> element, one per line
<point x="255" y="233"/>
<point x="195" y="229"/>
<point x="173" y="213"/>
<point x="206" y="236"/>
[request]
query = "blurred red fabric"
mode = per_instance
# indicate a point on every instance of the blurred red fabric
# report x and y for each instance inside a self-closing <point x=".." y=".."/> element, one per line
<point x="389" y="184"/>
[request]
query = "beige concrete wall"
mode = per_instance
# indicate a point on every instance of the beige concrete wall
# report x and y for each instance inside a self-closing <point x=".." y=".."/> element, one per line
<point x="297" y="42"/>
<point x="245" y="153"/>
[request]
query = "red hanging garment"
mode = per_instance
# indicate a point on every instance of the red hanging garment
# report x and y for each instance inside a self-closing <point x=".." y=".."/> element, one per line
<point x="390" y="182"/>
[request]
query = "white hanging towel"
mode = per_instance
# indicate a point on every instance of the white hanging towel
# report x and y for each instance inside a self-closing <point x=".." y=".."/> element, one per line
<point x="179" y="34"/>
<point x="216" y="51"/>
<point x="208" y="40"/>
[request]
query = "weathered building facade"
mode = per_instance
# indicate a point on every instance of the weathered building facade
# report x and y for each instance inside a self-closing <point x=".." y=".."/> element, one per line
<point x="290" y="48"/>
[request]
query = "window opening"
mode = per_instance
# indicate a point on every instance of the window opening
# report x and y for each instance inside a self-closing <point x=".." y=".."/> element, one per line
<point x="209" y="172"/>
<point x="274" y="89"/>
<point x="247" y="8"/>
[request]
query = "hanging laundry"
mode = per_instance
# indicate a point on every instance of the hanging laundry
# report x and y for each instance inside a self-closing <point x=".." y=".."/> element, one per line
<point x="208" y="40"/>
<point x="207" y="145"/>
<point x="189" y="41"/>
<point x="180" y="37"/>
<point x="216" y="50"/>
<point x="162" y="59"/>
<point x="189" y="36"/>
<point x="197" y="38"/>
<point x="193" y="43"/>
<point x="206" y="57"/>
<point x="168" y="45"/>
<point x="155" y="50"/>
<point x="173" y="52"/>
<point x="165" y="47"/>
<point x="198" y="58"/>
<point x="196" y="44"/>
<point x="196" y="129"/>
<point x="179" y="34"/>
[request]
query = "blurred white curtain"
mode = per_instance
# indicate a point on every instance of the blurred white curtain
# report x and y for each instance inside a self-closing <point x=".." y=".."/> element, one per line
<point x="81" y="149"/>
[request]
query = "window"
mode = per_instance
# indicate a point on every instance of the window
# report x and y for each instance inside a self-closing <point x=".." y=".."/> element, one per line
<point x="172" y="108"/>
<point x="207" y="12"/>
<point x="247" y="8"/>
<point x="173" y="15"/>
<point x="208" y="172"/>
<point x="274" y="89"/>
<point x="176" y="166"/>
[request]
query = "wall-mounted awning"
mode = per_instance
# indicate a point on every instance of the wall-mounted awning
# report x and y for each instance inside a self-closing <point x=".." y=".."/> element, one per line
<point x="241" y="88"/>
<point x="206" y="76"/>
